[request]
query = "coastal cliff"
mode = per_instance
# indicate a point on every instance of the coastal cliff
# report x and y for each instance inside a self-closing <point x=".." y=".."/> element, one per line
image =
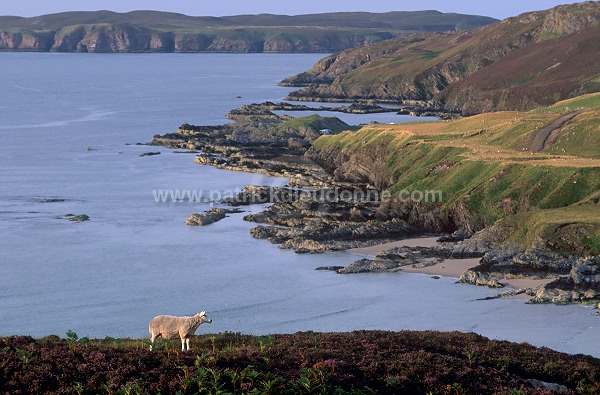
<point x="150" y="31"/>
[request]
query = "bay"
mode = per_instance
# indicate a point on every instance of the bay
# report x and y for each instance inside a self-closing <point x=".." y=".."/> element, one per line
<point x="135" y="258"/>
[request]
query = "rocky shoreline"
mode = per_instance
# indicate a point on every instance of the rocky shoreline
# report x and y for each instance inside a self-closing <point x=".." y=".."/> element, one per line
<point x="209" y="217"/>
<point x="322" y="211"/>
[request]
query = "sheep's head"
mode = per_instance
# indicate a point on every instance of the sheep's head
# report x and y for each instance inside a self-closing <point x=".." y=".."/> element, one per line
<point x="204" y="317"/>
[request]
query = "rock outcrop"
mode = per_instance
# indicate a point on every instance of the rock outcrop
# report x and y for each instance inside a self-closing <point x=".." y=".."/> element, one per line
<point x="580" y="285"/>
<point x="396" y="258"/>
<point x="208" y="217"/>
<point x="258" y="141"/>
<point x="321" y="220"/>
<point x="77" y="218"/>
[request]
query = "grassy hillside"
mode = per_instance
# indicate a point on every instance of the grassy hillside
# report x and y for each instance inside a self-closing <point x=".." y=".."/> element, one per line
<point x="365" y="362"/>
<point x="483" y="164"/>
<point x="140" y="31"/>
<point x="521" y="63"/>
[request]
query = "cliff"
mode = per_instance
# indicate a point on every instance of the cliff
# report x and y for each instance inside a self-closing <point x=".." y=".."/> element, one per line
<point x="149" y="31"/>
<point x="524" y="62"/>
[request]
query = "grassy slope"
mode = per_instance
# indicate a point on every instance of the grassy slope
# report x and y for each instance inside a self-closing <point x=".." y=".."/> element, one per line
<point x="483" y="162"/>
<point x="519" y="63"/>
<point x="315" y="122"/>
<point x="363" y="362"/>
<point x="413" y="21"/>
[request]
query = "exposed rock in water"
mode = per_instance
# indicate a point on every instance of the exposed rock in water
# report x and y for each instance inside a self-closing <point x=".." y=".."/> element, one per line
<point x="77" y="218"/>
<point x="368" y="266"/>
<point x="53" y="200"/>
<point x="208" y="217"/>
<point x="330" y="268"/>
<point x="509" y="293"/>
<point x="150" y="153"/>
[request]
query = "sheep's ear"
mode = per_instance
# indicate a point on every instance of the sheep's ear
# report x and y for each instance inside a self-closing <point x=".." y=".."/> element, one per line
<point x="203" y="312"/>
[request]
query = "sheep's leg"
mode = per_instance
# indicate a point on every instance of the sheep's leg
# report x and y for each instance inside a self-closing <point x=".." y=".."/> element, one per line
<point x="187" y="343"/>
<point x="152" y="338"/>
<point x="182" y="344"/>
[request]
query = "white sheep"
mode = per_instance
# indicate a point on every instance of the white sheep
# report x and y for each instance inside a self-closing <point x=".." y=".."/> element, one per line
<point x="169" y="327"/>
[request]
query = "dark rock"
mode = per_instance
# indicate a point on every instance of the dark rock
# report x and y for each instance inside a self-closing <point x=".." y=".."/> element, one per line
<point x="208" y="217"/>
<point x="367" y="266"/>
<point x="331" y="268"/>
<point x="150" y="153"/>
<point x="53" y="200"/>
<point x="580" y="285"/>
<point x="548" y="386"/>
<point x="459" y="235"/>
<point x="506" y="294"/>
<point x="473" y="276"/>
<point x="77" y="218"/>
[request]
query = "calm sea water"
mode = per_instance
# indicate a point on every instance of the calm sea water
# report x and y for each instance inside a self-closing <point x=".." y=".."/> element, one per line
<point x="135" y="258"/>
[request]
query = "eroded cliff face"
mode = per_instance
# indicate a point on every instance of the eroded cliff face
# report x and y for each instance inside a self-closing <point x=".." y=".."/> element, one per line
<point x="25" y="41"/>
<point x="367" y="166"/>
<point x="111" y="38"/>
<point x="132" y="38"/>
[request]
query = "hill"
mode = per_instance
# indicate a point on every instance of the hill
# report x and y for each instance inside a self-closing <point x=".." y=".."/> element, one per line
<point x="362" y="362"/>
<point x="152" y="31"/>
<point x="488" y="171"/>
<point x="521" y="63"/>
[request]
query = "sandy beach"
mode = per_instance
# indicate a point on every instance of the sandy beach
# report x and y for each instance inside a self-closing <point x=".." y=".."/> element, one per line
<point x="447" y="268"/>
<point x="417" y="242"/>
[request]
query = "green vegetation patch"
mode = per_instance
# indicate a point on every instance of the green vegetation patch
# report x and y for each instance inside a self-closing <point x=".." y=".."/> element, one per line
<point x="581" y="102"/>
<point x="491" y="189"/>
<point x="315" y="122"/>
<point x="570" y="230"/>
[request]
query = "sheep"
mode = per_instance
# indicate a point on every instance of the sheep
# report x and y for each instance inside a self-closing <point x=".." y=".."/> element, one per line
<point x="169" y="327"/>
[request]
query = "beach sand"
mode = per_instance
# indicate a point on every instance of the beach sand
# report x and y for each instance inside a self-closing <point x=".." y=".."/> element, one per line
<point x="449" y="267"/>
<point x="374" y="250"/>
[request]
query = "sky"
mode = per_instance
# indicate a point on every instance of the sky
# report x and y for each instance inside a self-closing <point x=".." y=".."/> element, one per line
<point x="495" y="8"/>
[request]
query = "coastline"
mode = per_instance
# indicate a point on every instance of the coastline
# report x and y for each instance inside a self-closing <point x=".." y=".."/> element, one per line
<point x="453" y="268"/>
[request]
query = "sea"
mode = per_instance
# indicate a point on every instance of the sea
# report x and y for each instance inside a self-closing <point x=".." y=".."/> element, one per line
<point x="72" y="129"/>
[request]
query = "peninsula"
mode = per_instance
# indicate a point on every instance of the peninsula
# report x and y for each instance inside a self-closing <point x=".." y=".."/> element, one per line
<point x="518" y="189"/>
<point x="153" y="31"/>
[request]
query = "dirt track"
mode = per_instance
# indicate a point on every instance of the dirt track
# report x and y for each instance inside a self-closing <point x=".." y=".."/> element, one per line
<point x="543" y="137"/>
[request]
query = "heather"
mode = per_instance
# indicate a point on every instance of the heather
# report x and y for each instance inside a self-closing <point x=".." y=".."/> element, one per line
<point x="362" y="362"/>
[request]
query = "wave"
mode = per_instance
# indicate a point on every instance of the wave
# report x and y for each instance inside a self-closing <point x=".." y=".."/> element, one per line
<point x="94" y="116"/>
